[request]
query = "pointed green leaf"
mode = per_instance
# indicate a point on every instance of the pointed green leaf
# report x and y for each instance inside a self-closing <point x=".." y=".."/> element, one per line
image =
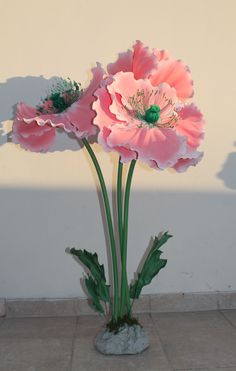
<point x="151" y="267"/>
<point x="96" y="280"/>
<point x="103" y="292"/>
<point x="92" y="290"/>
<point x="91" y="262"/>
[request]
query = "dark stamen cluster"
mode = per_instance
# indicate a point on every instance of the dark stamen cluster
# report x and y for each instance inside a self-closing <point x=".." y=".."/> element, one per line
<point x="61" y="96"/>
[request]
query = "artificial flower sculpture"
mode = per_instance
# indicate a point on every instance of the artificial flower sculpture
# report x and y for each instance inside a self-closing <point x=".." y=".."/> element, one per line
<point x="67" y="106"/>
<point x="138" y="108"/>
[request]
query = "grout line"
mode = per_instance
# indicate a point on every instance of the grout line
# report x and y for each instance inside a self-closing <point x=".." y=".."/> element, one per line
<point x="227" y="319"/>
<point x="162" y="345"/>
<point x="73" y="343"/>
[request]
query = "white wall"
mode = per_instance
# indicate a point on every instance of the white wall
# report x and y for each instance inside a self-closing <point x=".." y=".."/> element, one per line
<point x="48" y="201"/>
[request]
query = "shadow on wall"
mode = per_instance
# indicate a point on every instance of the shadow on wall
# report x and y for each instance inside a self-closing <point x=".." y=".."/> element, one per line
<point x="228" y="172"/>
<point x="38" y="224"/>
<point x="29" y="89"/>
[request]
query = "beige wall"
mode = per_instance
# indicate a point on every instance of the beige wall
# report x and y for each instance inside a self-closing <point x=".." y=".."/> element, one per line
<point x="47" y="200"/>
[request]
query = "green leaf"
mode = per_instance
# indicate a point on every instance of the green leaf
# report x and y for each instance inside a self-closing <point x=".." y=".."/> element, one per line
<point x="151" y="267"/>
<point x="96" y="280"/>
<point x="92" y="290"/>
<point x="103" y="291"/>
<point x="91" y="262"/>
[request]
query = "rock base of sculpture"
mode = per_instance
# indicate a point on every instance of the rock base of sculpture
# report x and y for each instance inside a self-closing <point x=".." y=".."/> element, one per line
<point x="127" y="340"/>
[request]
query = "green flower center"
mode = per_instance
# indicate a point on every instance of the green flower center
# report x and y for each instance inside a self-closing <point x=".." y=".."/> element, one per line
<point x="61" y="96"/>
<point x="152" y="114"/>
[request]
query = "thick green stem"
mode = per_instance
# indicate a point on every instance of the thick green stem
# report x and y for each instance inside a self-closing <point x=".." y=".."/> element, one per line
<point x="125" y="306"/>
<point x="110" y="227"/>
<point x="119" y="203"/>
<point x="120" y="228"/>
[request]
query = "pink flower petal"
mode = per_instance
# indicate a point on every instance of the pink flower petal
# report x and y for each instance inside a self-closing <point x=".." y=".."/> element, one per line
<point x="141" y="61"/>
<point x="54" y="120"/>
<point x="31" y="136"/>
<point x="184" y="163"/>
<point x="144" y="61"/>
<point x="163" y="96"/>
<point x="190" y="125"/>
<point x="160" y="145"/>
<point x="125" y="153"/>
<point x="126" y="85"/>
<point x="124" y="63"/>
<point x="176" y="74"/>
<point x="121" y="90"/>
<point x="104" y="116"/>
<point x="80" y="114"/>
<point x="25" y="111"/>
<point x="161" y="54"/>
<point x="102" y="138"/>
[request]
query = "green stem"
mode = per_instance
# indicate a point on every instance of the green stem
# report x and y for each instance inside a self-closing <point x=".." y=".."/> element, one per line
<point x="119" y="202"/>
<point x="110" y="226"/>
<point x="120" y="224"/>
<point x="124" y="279"/>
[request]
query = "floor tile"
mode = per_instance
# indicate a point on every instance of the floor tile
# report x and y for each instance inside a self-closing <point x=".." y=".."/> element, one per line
<point x="38" y="327"/>
<point x="230" y="315"/>
<point x="86" y="358"/>
<point x="197" y="340"/>
<point x="35" y="354"/>
<point x="36" y="344"/>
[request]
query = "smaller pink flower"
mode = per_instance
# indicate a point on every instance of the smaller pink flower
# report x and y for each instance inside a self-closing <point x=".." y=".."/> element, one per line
<point x="35" y="128"/>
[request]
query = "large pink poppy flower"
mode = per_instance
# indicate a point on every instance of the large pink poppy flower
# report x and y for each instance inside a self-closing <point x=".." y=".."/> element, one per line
<point x="35" y="128"/>
<point x="142" y="120"/>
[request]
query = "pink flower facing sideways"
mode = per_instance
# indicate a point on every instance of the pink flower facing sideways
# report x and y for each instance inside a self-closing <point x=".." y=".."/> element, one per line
<point x="142" y="110"/>
<point x="66" y="107"/>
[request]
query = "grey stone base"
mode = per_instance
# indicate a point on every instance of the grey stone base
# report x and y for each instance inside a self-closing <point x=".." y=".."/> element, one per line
<point x="176" y="302"/>
<point x="128" y="340"/>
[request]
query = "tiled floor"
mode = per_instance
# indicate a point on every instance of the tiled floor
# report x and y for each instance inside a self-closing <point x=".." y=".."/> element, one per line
<point x="190" y="341"/>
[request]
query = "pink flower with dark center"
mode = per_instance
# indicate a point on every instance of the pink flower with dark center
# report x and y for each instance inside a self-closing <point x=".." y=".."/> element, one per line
<point x="142" y="111"/>
<point x="66" y="107"/>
